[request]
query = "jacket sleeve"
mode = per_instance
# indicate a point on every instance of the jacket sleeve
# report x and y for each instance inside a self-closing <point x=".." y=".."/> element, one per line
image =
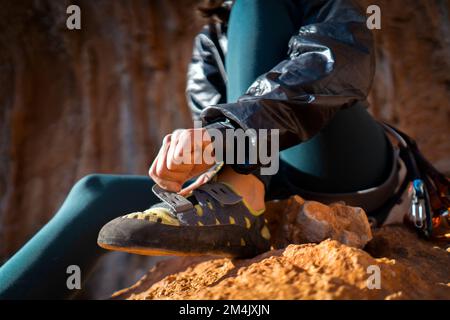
<point x="330" y="66"/>
<point x="206" y="75"/>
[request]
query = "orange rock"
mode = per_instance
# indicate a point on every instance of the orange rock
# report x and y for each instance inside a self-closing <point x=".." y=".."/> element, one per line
<point x="410" y="268"/>
<point x="299" y="221"/>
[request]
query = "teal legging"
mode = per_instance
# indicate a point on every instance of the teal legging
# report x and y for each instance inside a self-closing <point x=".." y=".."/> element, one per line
<point x="348" y="155"/>
<point x="39" y="269"/>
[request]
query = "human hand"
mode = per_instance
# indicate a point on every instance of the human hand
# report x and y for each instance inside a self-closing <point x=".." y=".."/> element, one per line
<point x="184" y="154"/>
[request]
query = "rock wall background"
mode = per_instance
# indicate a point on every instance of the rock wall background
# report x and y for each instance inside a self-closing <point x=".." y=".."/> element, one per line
<point x="411" y="88"/>
<point x="101" y="99"/>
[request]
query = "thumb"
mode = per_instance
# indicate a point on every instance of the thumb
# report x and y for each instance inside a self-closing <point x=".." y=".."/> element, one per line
<point x="202" y="179"/>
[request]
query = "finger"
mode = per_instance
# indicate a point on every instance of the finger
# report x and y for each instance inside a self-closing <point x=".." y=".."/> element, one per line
<point x="172" y="183"/>
<point x="172" y="176"/>
<point x="158" y="169"/>
<point x="174" y="162"/>
<point x="197" y="153"/>
<point x="208" y="155"/>
<point x="167" y="179"/>
<point x="202" y="179"/>
<point x="168" y="185"/>
<point x="152" y="170"/>
<point x="161" y="168"/>
<point x="184" y="148"/>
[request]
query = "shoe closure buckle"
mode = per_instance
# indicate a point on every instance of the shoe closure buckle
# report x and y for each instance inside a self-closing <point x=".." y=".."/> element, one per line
<point x="221" y="193"/>
<point x="176" y="202"/>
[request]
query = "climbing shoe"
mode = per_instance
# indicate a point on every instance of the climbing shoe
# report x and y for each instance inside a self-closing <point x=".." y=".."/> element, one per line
<point x="213" y="220"/>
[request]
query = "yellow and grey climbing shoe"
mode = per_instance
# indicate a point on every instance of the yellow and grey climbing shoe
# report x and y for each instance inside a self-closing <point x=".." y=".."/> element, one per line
<point x="213" y="220"/>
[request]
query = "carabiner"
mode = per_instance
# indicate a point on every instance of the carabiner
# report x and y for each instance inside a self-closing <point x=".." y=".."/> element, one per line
<point x="418" y="203"/>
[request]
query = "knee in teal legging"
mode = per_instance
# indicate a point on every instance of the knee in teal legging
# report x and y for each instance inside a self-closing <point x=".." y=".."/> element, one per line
<point x="38" y="269"/>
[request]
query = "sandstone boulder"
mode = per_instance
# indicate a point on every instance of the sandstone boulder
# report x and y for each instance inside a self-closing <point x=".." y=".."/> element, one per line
<point x="298" y="221"/>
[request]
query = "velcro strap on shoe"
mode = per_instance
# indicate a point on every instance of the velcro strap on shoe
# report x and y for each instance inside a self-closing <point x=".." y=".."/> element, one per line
<point x="175" y="201"/>
<point x="221" y="192"/>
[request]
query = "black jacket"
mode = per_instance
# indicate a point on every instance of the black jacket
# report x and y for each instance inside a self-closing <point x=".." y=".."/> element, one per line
<point x="330" y="67"/>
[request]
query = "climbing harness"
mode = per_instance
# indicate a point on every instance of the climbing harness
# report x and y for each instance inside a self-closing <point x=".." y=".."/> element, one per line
<point x="427" y="187"/>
